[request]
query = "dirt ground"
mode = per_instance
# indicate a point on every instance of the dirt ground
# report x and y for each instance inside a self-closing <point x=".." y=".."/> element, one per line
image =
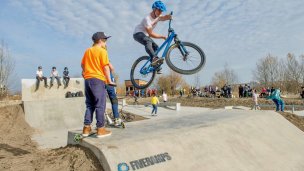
<point x="296" y="120"/>
<point x="19" y="152"/>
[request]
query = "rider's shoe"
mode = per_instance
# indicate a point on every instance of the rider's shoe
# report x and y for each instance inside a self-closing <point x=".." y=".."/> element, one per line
<point x="157" y="61"/>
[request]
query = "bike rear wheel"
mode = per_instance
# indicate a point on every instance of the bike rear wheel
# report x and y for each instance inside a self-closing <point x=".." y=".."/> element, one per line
<point x="187" y="64"/>
<point x="142" y="73"/>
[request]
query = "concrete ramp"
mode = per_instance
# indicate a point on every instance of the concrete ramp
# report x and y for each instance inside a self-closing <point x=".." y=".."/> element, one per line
<point x="191" y="139"/>
<point x="46" y="115"/>
<point x="50" y="113"/>
<point x="53" y="118"/>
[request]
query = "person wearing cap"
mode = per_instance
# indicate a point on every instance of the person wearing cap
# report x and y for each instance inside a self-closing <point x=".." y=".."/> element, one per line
<point x="96" y="72"/>
<point x="66" y="77"/>
<point x="144" y="31"/>
<point x="54" y="75"/>
<point x="40" y="77"/>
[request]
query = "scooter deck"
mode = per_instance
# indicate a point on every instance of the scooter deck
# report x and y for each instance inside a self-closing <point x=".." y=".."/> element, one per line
<point x="123" y="126"/>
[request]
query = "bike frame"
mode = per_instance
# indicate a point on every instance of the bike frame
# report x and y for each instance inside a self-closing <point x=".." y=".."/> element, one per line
<point x="147" y="68"/>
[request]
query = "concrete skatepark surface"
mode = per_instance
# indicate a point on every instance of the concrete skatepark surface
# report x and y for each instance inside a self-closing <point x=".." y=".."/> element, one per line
<point x="201" y="139"/>
<point x="192" y="138"/>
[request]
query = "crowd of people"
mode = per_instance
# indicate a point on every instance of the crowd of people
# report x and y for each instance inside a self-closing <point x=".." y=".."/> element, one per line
<point x="142" y="93"/>
<point x="245" y="91"/>
<point x="212" y="91"/>
<point x="302" y="92"/>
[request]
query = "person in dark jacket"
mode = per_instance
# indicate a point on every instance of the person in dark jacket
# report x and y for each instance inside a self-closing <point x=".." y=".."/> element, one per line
<point x="66" y="77"/>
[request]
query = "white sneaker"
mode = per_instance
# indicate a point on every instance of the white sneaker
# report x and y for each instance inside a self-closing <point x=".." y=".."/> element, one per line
<point x="117" y="122"/>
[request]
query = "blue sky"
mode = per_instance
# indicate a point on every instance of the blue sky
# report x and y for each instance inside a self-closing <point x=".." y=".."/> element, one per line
<point x="236" y="32"/>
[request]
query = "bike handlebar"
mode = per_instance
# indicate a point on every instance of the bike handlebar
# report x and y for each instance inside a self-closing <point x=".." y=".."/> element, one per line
<point x="171" y="13"/>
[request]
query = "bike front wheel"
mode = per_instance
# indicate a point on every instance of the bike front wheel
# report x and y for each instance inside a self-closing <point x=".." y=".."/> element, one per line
<point x="142" y="73"/>
<point x="185" y="58"/>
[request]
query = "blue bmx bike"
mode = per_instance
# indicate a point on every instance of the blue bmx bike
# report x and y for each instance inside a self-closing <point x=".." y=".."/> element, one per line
<point x="182" y="57"/>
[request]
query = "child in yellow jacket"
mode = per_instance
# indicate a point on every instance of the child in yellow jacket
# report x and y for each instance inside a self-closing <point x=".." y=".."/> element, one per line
<point x="154" y="102"/>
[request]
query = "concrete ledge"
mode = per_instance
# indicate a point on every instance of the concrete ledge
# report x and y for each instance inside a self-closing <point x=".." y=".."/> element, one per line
<point x="29" y="86"/>
<point x="228" y="107"/>
<point x="177" y="106"/>
<point x="241" y="107"/>
<point x="237" y="107"/>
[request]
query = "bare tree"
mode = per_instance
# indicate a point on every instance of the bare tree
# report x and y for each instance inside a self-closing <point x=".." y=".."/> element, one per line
<point x="218" y="79"/>
<point x="268" y="70"/>
<point x="230" y="75"/>
<point x="226" y="76"/>
<point x="293" y="68"/>
<point x="197" y="80"/>
<point x="302" y="69"/>
<point x="7" y="65"/>
<point x="170" y="82"/>
<point x="292" y="73"/>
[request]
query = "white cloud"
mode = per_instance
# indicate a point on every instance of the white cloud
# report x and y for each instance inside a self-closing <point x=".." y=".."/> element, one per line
<point x="237" y="32"/>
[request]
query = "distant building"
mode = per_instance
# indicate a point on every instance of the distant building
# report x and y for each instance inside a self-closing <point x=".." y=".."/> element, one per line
<point x="131" y="90"/>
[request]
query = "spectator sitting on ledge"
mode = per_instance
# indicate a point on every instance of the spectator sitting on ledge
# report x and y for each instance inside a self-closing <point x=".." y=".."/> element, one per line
<point x="40" y="77"/>
<point x="66" y="77"/>
<point x="55" y="75"/>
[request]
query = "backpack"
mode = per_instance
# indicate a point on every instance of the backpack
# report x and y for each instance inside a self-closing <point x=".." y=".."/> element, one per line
<point x="68" y="94"/>
<point x="80" y="94"/>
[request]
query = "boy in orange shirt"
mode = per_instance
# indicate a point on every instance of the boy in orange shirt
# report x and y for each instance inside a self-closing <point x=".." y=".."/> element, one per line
<point x="96" y="72"/>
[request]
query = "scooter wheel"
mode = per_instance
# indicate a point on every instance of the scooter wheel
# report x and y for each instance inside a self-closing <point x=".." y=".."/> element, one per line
<point x="123" y="125"/>
<point x="77" y="138"/>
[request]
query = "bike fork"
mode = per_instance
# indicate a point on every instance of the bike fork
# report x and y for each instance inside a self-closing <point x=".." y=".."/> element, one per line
<point x="182" y="49"/>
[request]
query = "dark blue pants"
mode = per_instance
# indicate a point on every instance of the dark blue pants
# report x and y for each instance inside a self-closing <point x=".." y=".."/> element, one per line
<point x="154" y="108"/>
<point x="279" y="104"/>
<point x="114" y="101"/>
<point x="95" y="94"/>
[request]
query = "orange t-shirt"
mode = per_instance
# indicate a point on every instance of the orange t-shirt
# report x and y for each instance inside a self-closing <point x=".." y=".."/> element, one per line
<point x="93" y="61"/>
